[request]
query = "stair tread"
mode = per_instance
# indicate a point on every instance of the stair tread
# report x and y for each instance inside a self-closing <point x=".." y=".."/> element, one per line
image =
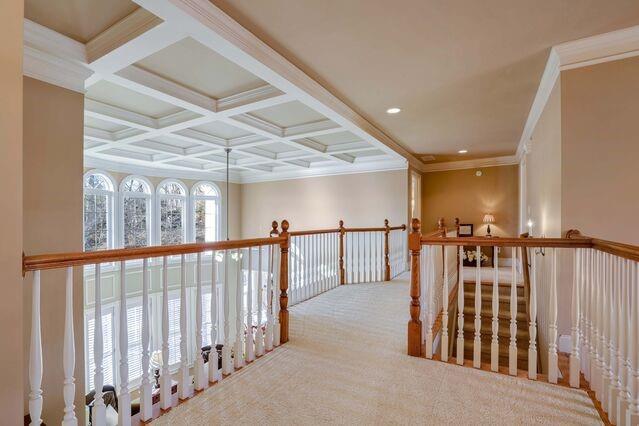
<point x="469" y="313"/>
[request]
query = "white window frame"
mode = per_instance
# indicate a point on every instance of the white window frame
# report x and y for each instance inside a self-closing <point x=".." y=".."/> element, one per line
<point x="149" y="209"/>
<point x="111" y="204"/>
<point x="194" y="198"/>
<point x="185" y="203"/>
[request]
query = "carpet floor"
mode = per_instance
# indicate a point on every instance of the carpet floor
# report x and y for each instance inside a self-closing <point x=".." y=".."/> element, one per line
<point x="346" y="364"/>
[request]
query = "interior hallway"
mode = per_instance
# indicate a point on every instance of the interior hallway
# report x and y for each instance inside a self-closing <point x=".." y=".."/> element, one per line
<point x="346" y="363"/>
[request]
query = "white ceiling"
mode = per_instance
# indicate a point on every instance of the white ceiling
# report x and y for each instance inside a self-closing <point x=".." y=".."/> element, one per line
<point x="168" y="100"/>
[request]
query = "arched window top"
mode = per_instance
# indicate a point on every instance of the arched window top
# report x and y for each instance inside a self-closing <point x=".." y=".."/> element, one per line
<point x="205" y="189"/>
<point x="98" y="180"/>
<point x="135" y="184"/>
<point x="172" y="187"/>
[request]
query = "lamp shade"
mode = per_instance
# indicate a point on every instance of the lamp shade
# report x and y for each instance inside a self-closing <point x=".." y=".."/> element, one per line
<point x="489" y="218"/>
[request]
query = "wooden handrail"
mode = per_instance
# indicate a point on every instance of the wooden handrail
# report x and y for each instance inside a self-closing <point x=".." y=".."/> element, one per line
<point x="61" y="260"/>
<point x="382" y="229"/>
<point x="313" y="232"/>
<point x="508" y="242"/>
<point x="627" y="251"/>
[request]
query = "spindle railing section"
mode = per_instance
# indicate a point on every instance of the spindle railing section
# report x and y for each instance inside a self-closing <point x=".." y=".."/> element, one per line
<point x="258" y="270"/>
<point x="604" y="306"/>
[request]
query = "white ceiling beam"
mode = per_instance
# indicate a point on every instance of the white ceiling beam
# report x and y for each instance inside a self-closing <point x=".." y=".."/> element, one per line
<point x="118" y="115"/>
<point x="316" y="128"/>
<point x="251" y="100"/>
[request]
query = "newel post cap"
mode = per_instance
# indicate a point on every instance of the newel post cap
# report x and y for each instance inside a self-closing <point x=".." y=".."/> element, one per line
<point x="414" y="239"/>
<point x="274" y="231"/>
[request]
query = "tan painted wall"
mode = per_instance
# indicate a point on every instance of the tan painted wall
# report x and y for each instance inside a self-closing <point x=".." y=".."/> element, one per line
<point x="234" y="207"/>
<point x="459" y="193"/>
<point x="12" y="354"/>
<point x="53" y="143"/>
<point x="600" y="134"/>
<point x="364" y="199"/>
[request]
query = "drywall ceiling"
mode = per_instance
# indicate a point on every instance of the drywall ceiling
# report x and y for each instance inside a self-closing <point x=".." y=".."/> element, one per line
<point x="463" y="72"/>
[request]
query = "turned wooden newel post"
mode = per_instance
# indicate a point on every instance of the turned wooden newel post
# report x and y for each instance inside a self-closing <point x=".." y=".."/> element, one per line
<point x="284" y="283"/>
<point x="441" y="225"/>
<point x="274" y="232"/>
<point x="342" y="232"/>
<point x="415" y="324"/>
<point x="387" y="268"/>
<point x="457" y="225"/>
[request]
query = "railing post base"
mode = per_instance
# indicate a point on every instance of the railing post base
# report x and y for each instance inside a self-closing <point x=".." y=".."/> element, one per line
<point x="414" y="338"/>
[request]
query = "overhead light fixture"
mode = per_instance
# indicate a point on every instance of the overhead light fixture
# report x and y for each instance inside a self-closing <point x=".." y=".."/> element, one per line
<point x="393" y="110"/>
<point x="462" y="151"/>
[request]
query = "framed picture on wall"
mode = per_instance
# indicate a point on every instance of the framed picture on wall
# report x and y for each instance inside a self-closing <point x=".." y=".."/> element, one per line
<point x="465" y="229"/>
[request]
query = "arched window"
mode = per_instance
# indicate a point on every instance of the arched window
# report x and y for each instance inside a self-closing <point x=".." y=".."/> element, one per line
<point x="171" y="205"/>
<point x="98" y="211"/>
<point x="136" y="212"/>
<point x="205" y="199"/>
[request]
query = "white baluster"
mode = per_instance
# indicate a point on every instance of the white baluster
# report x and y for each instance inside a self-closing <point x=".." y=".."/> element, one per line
<point x="512" y="347"/>
<point x="460" y="309"/>
<point x="624" y="320"/>
<point x="268" y="338"/>
<point x="227" y="363"/>
<point x="613" y="386"/>
<point x="294" y="272"/>
<point x="276" y="297"/>
<point x="238" y="356"/>
<point x="585" y="313"/>
<point x="444" y="342"/>
<point x="215" y="374"/>
<point x="595" y="315"/>
<point x="200" y="378"/>
<point x="632" y="416"/>
<point x="307" y="266"/>
<point x="146" y="390"/>
<point x="124" y="398"/>
<point x="553" y="368"/>
<point x="423" y="296"/>
<point x="165" y="377"/>
<point x="259" y="334"/>
<point x="532" y="343"/>
<point x="35" y="355"/>
<point x="477" y="341"/>
<point x="250" y="348"/>
<point x="494" y="342"/>
<point x="575" y="360"/>
<point x="607" y="373"/>
<point x="430" y="289"/>
<point x="184" y="381"/>
<point x="99" y="409"/>
<point x="68" y="354"/>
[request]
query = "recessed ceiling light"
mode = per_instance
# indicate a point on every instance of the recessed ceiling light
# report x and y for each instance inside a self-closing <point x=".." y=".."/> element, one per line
<point x="463" y="151"/>
<point x="393" y="110"/>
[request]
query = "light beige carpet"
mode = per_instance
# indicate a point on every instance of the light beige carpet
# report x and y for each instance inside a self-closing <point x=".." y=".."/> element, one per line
<point x="346" y="363"/>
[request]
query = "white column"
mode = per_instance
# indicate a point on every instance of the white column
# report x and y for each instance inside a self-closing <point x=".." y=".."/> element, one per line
<point x="259" y="334"/>
<point x="124" y="398"/>
<point x="460" y="309"/>
<point x="494" y="342"/>
<point x="444" y="341"/>
<point x="184" y="380"/>
<point x="227" y="363"/>
<point x="99" y="409"/>
<point x="200" y="375"/>
<point x="532" y="330"/>
<point x="553" y="367"/>
<point x="146" y="390"/>
<point x="512" y="347"/>
<point x="35" y="355"/>
<point x="250" y="348"/>
<point x="577" y="290"/>
<point x="68" y="354"/>
<point x="238" y="356"/>
<point x="477" y="341"/>
<point x="214" y="372"/>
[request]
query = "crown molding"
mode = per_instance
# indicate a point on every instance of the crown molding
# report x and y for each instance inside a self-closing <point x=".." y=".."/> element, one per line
<point x="53" y="58"/>
<point x="507" y="160"/>
<point x="584" y="52"/>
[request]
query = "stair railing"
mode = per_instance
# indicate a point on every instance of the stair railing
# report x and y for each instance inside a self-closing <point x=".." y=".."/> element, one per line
<point x="260" y="267"/>
<point x="604" y="306"/>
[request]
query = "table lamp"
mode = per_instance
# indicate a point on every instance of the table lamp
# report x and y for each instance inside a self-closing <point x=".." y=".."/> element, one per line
<point x="488" y="219"/>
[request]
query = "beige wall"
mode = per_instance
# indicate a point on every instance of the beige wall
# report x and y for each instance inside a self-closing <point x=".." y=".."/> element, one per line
<point x="364" y="199"/>
<point x="600" y="149"/>
<point x="459" y="193"/>
<point x="543" y="170"/>
<point x="12" y="354"/>
<point x="234" y="206"/>
<point x="53" y="143"/>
